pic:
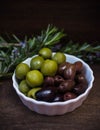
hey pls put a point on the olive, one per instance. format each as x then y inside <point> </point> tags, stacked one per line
<point>80,88</point>
<point>23,87</point>
<point>49,67</point>
<point>69,95</point>
<point>45,52</point>
<point>58,98</point>
<point>48,81</point>
<point>80,78</point>
<point>59,57</point>
<point>65,86</point>
<point>62,67</point>
<point>79,66</point>
<point>58,79</point>
<point>45,94</point>
<point>69,73</point>
<point>32,92</point>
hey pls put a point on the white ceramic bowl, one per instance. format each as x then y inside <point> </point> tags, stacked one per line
<point>57,108</point>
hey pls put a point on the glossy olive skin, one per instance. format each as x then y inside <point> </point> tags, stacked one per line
<point>69,73</point>
<point>80,88</point>
<point>62,67</point>
<point>69,95</point>
<point>48,81</point>
<point>80,78</point>
<point>79,66</point>
<point>46,94</point>
<point>66,85</point>
<point>58,79</point>
<point>58,98</point>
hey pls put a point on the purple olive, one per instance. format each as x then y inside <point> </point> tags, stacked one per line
<point>80,88</point>
<point>62,67</point>
<point>46,94</point>
<point>66,85</point>
<point>69,73</point>
<point>79,66</point>
<point>69,95</point>
<point>58,98</point>
<point>48,81</point>
<point>80,78</point>
<point>58,79</point>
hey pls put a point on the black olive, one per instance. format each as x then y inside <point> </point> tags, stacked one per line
<point>58,79</point>
<point>80,88</point>
<point>62,67</point>
<point>65,86</point>
<point>80,78</point>
<point>69,95</point>
<point>58,98</point>
<point>46,94</point>
<point>79,66</point>
<point>48,81</point>
<point>69,73</point>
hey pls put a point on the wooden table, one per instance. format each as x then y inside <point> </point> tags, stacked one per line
<point>15,116</point>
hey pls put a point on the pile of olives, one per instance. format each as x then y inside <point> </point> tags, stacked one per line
<point>53,79</point>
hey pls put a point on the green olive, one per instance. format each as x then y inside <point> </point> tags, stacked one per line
<point>49,67</point>
<point>46,53</point>
<point>32,92</point>
<point>59,57</point>
<point>36,62</point>
<point>23,87</point>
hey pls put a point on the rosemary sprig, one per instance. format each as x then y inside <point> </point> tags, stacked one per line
<point>12,53</point>
<point>76,48</point>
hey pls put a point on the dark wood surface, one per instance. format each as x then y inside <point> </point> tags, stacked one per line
<point>81,21</point>
<point>15,116</point>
